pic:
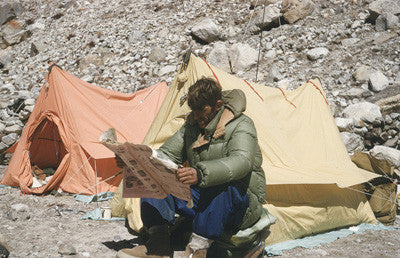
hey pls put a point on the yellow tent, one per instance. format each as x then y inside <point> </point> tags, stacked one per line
<point>312,185</point>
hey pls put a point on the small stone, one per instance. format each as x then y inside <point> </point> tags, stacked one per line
<point>378,81</point>
<point>388,120</point>
<point>395,116</point>
<point>350,42</point>
<point>352,141</point>
<point>317,53</point>
<point>66,249</point>
<point>344,124</point>
<point>391,142</point>
<point>362,73</point>
<point>157,54</point>
<point>89,60</point>
<point>167,70</point>
<point>20,207</point>
<point>87,78</point>
<point>29,102</point>
<point>9,139</point>
<point>13,129</point>
<point>19,211</point>
<point>3,146</point>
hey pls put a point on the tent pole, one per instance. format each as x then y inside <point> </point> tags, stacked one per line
<point>259,45</point>
<point>55,146</point>
<point>97,185</point>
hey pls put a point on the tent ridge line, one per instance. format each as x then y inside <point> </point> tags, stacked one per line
<point>284,95</point>
<point>253,89</point>
<point>319,91</point>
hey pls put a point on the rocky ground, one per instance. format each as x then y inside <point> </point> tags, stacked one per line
<point>124,45</point>
<point>50,226</point>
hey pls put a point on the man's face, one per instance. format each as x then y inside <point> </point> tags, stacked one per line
<point>204,116</point>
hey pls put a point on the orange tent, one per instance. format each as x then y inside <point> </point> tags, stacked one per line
<point>64,128</point>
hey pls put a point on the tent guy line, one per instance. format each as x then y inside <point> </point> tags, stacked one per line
<point>377,196</point>
<point>99,183</point>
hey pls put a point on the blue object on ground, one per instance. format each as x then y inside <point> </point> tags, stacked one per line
<point>324,238</point>
<point>96,215</point>
<point>94,198</point>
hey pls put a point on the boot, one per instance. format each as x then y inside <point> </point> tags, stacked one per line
<point>158,245</point>
<point>257,251</point>
<point>197,247</point>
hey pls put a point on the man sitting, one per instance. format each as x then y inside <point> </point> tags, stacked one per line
<point>227,182</point>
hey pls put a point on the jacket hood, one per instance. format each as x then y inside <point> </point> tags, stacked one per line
<point>235,100</point>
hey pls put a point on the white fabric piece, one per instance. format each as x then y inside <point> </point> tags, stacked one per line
<point>198,242</point>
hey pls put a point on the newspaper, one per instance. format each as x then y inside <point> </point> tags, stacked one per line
<point>147,174</point>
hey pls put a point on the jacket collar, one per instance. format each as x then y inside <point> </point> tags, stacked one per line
<point>215,129</point>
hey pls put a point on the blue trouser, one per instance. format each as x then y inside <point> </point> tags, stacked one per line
<point>215,209</point>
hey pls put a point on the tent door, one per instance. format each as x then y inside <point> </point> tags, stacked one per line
<point>46,149</point>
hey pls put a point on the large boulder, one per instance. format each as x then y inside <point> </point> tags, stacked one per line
<point>294,10</point>
<point>219,56</point>
<point>9,10</point>
<point>390,154</point>
<point>271,18</point>
<point>363,111</point>
<point>386,21</point>
<point>14,32</point>
<point>388,100</point>
<point>379,7</point>
<point>206,30</point>
<point>166,70</point>
<point>242,57</point>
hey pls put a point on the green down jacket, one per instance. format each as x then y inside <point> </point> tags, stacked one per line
<point>227,151</point>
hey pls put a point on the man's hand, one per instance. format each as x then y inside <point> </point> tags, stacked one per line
<point>187,175</point>
<point>119,161</point>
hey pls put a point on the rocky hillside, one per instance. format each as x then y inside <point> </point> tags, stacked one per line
<point>353,46</point>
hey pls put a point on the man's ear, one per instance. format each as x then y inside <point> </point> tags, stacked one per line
<point>218,105</point>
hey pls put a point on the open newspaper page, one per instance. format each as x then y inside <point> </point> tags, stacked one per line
<point>146,174</point>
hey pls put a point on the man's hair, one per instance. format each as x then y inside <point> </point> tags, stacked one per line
<point>204,92</point>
